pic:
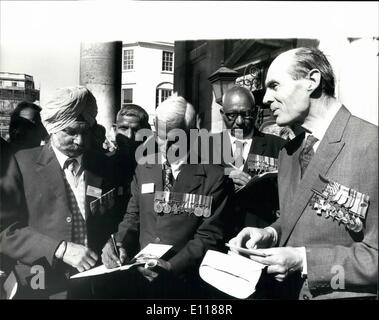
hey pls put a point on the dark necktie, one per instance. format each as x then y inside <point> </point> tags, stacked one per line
<point>167,177</point>
<point>307,153</point>
<point>238,154</point>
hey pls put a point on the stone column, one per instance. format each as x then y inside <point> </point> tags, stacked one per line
<point>100,72</point>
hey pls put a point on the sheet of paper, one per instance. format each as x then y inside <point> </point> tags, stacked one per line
<point>10,286</point>
<point>231,273</point>
<point>151,251</point>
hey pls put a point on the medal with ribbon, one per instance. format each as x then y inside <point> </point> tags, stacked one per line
<point>167,202</point>
<point>342,204</point>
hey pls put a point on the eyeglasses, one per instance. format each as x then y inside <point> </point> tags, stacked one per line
<point>232,116</point>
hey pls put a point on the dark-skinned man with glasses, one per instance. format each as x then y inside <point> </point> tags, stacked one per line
<point>244,153</point>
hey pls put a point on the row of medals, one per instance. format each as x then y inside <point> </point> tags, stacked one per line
<point>105,202</point>
<point>258,164</point>
<point>342,204</point>
<point>177,203</point>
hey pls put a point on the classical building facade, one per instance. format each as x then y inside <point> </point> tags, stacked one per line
<point>147,74</point>
<point>195,61</point>
<point>14,88</point>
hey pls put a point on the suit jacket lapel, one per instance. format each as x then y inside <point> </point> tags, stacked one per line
<point>226,147</point>
<point>289,174</point>
<point>154,171</point>
<point>51,171</point>
<point>328,150</point>
<point>194,175</point>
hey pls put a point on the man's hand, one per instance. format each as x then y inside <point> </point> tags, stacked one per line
<point>109,256</point>
<point>79,257</point>
<point>252,238</point>
<point>281,261</point>
<point>153,268</point>
<point>239,178</point>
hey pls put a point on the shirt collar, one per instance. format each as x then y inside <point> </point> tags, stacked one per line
<point>321,125</point>
<point>62,157</point>
<point>175,166</point>
<point>245,139</point>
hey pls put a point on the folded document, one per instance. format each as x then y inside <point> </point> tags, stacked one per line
<point>231,273</point>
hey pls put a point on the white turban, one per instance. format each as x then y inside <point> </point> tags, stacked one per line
<point>66,105</point>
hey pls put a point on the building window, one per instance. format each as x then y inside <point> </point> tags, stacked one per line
<point>167,61</point>
<point>129,59</point>
<point>14,84</point>
<point>162,95</point>
<point>128,95</point>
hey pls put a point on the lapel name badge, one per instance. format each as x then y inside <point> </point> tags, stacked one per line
<point>147,188</point>
<point>93,192</point>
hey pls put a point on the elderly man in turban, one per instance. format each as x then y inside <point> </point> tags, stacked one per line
<point>70,202</point>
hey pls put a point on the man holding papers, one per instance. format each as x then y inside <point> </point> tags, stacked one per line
<point>69,202</point>
<point>325,243</point>
<point>249,151</point>
<point>176,203</point>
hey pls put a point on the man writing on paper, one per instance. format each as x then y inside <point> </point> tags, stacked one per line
<point>325,243</point>
<point>256,206</point>
<point>176,203</point>
<point>60,233</point>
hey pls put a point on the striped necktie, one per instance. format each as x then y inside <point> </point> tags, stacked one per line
<point>307,153</point>
<point>238,153</point>
<point>167,177</point>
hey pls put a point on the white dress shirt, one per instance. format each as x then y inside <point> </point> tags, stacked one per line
<point>79,188</point>
<point>247,141</point>
<point>175,166</point>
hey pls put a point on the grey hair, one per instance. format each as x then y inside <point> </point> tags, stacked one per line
<point>176,112</point>
<point>306,59</point>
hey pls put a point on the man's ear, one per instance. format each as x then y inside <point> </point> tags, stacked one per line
<point>314,77</point>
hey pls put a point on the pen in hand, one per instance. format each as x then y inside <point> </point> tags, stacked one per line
<point>116,249</point>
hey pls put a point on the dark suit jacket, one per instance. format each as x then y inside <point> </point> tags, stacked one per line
<point>190,235</point>
<point>258,206</point>
<point>35,233</point>
<point>12,198</point>
<point>348,154</point>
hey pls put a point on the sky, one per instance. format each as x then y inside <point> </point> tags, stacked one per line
<point>42,38</point>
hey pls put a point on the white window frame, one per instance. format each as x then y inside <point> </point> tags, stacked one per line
<point>166,63</point>
<point>128,65</point>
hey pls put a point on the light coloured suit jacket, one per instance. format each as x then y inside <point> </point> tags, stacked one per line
<point>341,263</point>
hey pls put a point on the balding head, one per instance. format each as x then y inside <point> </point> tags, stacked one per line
<point>300,61</point>
<point>238,96</point>
<point>239,110</point>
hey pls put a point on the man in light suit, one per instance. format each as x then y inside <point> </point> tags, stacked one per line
<point>64,226</point>
<point>190,232</point>
<point>325,243</point>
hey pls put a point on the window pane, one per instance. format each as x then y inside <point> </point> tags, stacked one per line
<point>128,60</point>
<point>165,94</point>
<point>167,61</point>
<point>128,95</point>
